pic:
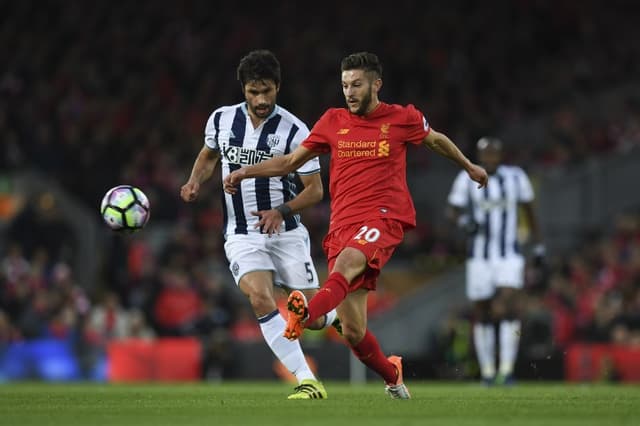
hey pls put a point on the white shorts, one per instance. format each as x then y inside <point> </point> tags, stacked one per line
<point>484,276</point>
<point>287,254</point>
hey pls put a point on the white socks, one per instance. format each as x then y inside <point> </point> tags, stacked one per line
<point>330,318</point>
<point>484,339</point>
<point>509,340</point>
<point>288,352</point>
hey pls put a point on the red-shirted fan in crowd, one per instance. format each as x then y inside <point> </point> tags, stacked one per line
<point>370,203</point>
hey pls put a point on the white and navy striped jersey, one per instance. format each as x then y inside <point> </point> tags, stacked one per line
<point>495,209</point>
<point>229,130</point>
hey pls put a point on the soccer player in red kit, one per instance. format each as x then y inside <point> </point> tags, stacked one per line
<point>370,203</point>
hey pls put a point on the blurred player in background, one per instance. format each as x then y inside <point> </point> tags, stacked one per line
<point>266,243</point>
<point>495,267</point>
<point>370,203</point>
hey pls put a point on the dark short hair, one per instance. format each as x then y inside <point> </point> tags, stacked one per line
<point>259,65</point>
<point>366,61</point>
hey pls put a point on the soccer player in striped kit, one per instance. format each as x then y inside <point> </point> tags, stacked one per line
<point>495,266</point>
<point>266,243</point>
<point>371,206</point>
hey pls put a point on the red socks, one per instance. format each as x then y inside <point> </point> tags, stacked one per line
<point>368,351</point>
<point>333,292</point>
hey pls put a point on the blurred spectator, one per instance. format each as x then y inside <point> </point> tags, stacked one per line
<point>8,333</point>
<point>245,328</point>
<point>454,353</point>
<point>108,320</point>
<point>177,308</point>
<point>593,294</point>
<point>40,226</point>
<point>627,329</point>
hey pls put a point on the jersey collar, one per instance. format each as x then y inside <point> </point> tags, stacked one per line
<point>245,109</point>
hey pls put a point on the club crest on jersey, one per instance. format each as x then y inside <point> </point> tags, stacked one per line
<point>235,268</point>
<point>272,140</point>
<point>383,149</point>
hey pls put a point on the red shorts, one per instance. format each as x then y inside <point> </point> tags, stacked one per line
<point>377,238</point>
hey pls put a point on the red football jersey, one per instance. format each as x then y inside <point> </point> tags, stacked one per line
<point>368,161</point>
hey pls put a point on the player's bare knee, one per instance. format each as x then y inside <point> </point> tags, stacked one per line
<point>507,294</point>
<point>353,334</point>
<point>261,302</point>
<point>482,311</point>
<point>498,309</point>
<point>506,305</point>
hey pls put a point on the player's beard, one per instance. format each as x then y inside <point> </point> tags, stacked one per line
<point>365,102</point>
<point>264,111</point>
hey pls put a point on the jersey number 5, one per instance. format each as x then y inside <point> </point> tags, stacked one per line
<point>369,234</point>
<point>307,266</point>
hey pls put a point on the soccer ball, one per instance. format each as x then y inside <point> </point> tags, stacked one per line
<point>125,208</point>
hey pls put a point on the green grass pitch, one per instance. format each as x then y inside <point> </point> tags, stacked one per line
<point>265,403</point>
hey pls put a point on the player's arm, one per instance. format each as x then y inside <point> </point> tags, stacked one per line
<point>202,170</point>
<point>539,250</point>
<point>457,211</point>
<point>527,205</point>
<point>310,195</point>
<point>453,213</point>
<point>462,220</point>
<point>532,220</point>
<point>277,166</point>
<point>270,220</point>
<point>440,143</point>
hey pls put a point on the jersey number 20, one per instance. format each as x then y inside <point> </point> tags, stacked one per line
<point>369,234</point>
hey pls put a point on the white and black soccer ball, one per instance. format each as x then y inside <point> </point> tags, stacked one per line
<point>125,208</point>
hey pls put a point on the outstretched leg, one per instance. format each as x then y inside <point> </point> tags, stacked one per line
<point>349,264</point>
<point>353,315</point>
<point>258,287</point>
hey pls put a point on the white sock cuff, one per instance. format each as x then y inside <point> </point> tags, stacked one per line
<point>330,317</point>
<point>267,317</point>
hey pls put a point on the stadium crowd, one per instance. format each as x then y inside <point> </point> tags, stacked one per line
<point>93,95</point>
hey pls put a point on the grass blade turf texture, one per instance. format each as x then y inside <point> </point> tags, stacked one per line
<point>265,403</point>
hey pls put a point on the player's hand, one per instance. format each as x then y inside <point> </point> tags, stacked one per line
<point>232,180</point>
<point>468,225</point>
<point>539,253</point>
<point>270,221</point>
<point>189,191</point>
<point>478,174</point>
